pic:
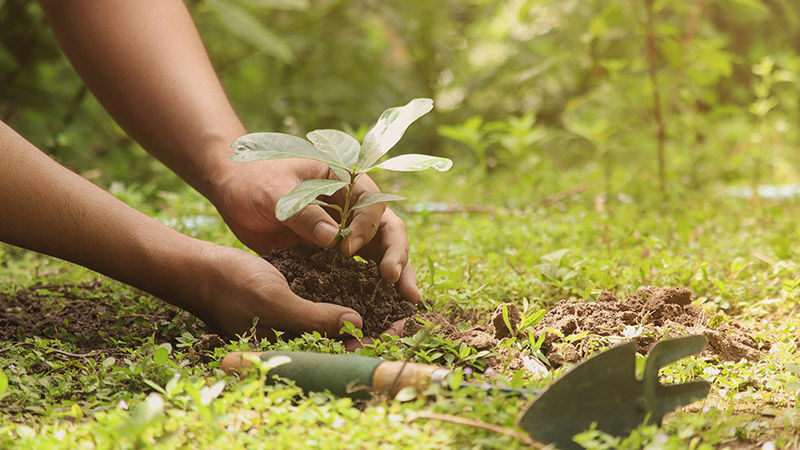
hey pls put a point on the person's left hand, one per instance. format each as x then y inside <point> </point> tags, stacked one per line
<point>245,194</point>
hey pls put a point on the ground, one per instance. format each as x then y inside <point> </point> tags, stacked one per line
<point>94,363</point>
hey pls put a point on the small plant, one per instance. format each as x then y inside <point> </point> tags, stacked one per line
<point>347,159</point>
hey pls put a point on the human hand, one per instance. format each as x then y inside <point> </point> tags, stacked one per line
<point>246,195</point>
<point>232,287</point>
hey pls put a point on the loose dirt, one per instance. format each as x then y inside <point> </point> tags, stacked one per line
<point>575,329</point>
<point>651,315</point>
<point>87,315</point>
<point>324,275</point>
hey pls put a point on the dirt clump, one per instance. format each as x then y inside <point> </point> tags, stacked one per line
<point>325,275</point>
<point>654,313</point>
<point>477,336</point>
<point>501,329</point>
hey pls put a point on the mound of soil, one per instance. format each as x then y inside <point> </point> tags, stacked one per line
<point>324,275</point>
<point>653,314</point>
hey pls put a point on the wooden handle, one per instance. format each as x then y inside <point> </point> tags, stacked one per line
<point>238,362</point>
<point>391,376</point>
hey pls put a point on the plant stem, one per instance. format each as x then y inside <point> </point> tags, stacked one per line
<point>346,210</point>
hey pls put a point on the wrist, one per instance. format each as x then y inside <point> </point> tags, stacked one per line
<point>213,163</point>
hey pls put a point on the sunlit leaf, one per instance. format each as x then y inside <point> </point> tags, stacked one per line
<point>413,162</point>
<point>160,356</point>
<point>291,203</point>
<point>376,198</point>
<point>3,383</point>
<point>243,25</point>
<point>406,394</point>
<point>257,146</point>
<point>389,129</point>
<point>336,145</point>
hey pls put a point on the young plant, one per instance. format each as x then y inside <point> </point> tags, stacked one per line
<point>347,159</point>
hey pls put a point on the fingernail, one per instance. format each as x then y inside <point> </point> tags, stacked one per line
<point>353,318</point>
<point>354,245</point>
<point>398,269</point>
<point>325,234</point>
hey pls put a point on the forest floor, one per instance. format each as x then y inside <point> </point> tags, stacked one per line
<point>89,362</point>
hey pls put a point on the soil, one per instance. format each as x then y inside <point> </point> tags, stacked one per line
<point>89,315</point>
<point>653,314</point>
<point>324,275</point>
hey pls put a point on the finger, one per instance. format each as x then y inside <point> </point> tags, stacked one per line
<point>352,345</point>
<point>397,328</point>
<point>407,285</point>
<point>394,243</point>
<point>314,225</point>
<point>299,315</point>
<point>364,226</point>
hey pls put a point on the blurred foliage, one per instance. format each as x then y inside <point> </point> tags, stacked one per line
<point>542,85</point>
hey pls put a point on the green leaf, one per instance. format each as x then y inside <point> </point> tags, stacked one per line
<point>371,199</point>
<point>337,146</point>
<point>413,162</point>
<point>291,203</point>
<point>258,146</point>
<point>406,394</point>
<point>243,25</point>
<point>160,356</point>
<point>3,383</point>
<point>389,129</point>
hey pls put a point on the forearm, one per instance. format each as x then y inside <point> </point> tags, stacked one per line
<point>49,209</point>
<point>146,64</point>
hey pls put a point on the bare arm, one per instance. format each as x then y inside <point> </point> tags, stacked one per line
<point>49,209</point>
<point>145,62</point>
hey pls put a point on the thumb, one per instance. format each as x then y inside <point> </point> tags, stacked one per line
<point>314,225</point>
<point>302,315</point>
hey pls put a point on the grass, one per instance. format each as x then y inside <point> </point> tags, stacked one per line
<point>159,387</point>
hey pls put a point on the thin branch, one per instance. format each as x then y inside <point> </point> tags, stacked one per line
<point>429,415</point>
<point>661,133</point>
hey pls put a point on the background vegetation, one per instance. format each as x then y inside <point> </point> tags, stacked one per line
<point>554,85</point>
<point>597,145</point>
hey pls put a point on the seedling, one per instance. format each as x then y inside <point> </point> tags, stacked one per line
<point>347,159</point>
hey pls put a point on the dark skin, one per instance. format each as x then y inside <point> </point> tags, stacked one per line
<point>146,64</point>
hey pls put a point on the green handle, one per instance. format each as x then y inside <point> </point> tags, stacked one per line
<point>342,375</point>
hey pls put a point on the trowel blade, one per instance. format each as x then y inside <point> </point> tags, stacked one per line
<point>601,390</point>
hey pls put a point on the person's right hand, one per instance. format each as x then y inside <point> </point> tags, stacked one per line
<point>245,194</point>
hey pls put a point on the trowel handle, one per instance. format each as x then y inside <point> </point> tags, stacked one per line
<point>342,375</point>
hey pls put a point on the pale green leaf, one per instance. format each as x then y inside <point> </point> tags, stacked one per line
<point>160,356</point>
<point>389,129</point>
<point>303,194</point>
<point>243,25</point>
<point>413,162</point>
<point>336,145</point>
<point>257,146</point>
<point>3,383</point>
<point>376,198</point>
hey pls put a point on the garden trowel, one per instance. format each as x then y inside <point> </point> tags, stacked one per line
<point>602,390</point>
